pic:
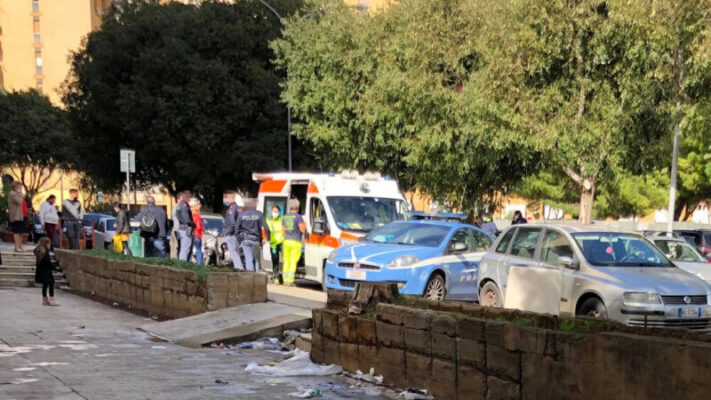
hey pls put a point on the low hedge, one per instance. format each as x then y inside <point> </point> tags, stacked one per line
<point>200,270</point>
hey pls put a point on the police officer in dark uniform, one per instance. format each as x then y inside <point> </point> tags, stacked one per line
<point>250,223</point>
<point>185,227</point>
<point>233,202</point>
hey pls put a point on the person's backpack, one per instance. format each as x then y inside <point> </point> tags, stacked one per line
<point>149,225</point>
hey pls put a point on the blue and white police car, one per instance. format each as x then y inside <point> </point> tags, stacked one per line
<point>429,258</point>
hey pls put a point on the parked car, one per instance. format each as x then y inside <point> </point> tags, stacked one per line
<point>701,239</point>
<point>37,230</point>
<point>429,258</point>
<point>588,271</point>
<point>106,229</point>
<point>684,256</point>
<point>90,218</point>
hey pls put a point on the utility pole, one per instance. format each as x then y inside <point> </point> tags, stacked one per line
<point>675,150</point>
<point>128,165</point>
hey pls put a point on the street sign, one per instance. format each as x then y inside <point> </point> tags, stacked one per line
<point>128,161</point>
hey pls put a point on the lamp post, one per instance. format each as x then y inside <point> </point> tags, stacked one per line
<point>288,109</point>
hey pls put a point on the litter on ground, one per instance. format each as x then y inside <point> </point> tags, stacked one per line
<point>298,365</point>
<point>307,394</point>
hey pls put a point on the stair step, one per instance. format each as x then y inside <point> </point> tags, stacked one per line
<point>29,283</point>
<point>12,268</point>
<point>23,275</point>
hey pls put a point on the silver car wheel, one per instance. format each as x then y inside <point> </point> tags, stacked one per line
<point>435,289</point>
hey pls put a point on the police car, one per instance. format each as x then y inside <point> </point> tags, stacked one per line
<point>431,258</point>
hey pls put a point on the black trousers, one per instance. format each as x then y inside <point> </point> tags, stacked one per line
<point>45,286</point>
<point>276,263</point>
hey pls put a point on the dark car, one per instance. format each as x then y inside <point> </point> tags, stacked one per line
<point>700,238</point>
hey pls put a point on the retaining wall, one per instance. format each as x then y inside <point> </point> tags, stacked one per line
<point>164,291</point>
<point>456,356</point>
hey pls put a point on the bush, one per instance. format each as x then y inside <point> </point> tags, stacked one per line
<point>199,270</point>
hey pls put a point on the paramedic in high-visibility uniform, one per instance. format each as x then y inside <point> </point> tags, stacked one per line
<point>294,228</point>
<point>274,222</point>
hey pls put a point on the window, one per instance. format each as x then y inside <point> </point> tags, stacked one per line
<point>318,214</point>
<point>461,236</point>
<point>619,249</point>
<point>679,251</point>
<point>481,241</point>
<point>37,38</point>
<point>525,243</point>
<point>504,243</point>
<point>554,246</point>
<point>408,233</point>
<point>36,25</point>
<point>35,6</point>
<point>270,202</point>
<point>38,70</point>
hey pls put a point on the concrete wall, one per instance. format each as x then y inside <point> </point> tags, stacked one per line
<point>163,291</point>
<point>456,356</point>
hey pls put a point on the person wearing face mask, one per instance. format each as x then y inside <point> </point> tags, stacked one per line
<point>17,209</point>
<point>71,218</point>
<point>233,202</point>
<point>276,240</point>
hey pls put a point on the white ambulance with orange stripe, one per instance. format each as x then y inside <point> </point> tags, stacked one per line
<point>337,209</point>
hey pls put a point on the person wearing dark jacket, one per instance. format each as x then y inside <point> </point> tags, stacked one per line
<point>123,227</point>
<point>72,215</point>
<point>43,271</point>
<point>249,226</point>
<point>155,243</point>
<point>518,218</point>
<point>185,226</point>
<point>233,202</point>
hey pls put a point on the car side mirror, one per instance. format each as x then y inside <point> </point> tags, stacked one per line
<point>320,226</point>
<point>568,262</point>
<point>457,247</point>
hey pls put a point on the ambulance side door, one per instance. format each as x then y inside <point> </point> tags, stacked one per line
<point>315,242</point>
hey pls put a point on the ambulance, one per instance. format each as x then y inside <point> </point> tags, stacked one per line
<point>337,208</point>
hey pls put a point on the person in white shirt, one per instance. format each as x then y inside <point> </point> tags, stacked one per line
<point>49,218</point>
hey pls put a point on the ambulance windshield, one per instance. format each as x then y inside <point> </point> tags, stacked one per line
<point>364,214</point>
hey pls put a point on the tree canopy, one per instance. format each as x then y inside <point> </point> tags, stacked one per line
<point>467,98</point>
<point>35,137</point>
<point>191,88</point>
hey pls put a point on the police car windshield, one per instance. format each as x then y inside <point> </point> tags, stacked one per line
<point>363,214</point>
<point>409,234</point>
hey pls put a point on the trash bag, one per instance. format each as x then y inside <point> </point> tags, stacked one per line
<point>135,243</point>
<point>117,246</point>
<point>298,365</point>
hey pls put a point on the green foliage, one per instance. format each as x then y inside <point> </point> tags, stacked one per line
<point>190,88</point>
<point>632,195</point>
<point>36,138</point>
<point>581,326</point>
<point>200,270</point>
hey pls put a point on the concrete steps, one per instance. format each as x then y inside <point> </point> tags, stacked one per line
<point>18,270</point>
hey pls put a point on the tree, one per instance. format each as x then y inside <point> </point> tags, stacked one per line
<point>377,92</point>
<point>36,139</point>
<point>190,88</point>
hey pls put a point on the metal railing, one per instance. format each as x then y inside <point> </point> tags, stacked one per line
<point>83,236</point>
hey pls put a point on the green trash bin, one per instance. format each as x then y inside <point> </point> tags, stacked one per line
<point>135,243</point>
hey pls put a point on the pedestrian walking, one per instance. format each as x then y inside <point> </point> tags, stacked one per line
<point>518,218</point>
<point>249,227</point>
<point>195,207</point>
<point>154,228</point>
<point>123,227</point>
<point>294,228</point>
<point>174,239</point>
<point>49,218</point>
<point>276,242</point>
<point>72,215</point>
<point>233,202</point>
<point>186,227</point>
<point>489,226</point>
<point>17,210</point>
<point>43,271</point>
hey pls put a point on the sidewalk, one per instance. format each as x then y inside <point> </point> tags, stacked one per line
<point>88,350</point>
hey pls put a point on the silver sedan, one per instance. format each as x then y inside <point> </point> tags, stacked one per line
<point>574,270</point>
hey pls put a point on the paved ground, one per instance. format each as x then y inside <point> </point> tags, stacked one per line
<point>88,350</point>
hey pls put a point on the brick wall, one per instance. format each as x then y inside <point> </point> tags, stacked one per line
<point>164,291</point>
<point>456,356</point>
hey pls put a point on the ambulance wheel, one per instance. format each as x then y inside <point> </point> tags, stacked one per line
<point>435,289</point>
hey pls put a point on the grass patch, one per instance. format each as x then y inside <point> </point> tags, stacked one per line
<point>200,270</point>
<point>580,325</point>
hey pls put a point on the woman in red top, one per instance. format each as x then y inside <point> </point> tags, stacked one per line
<point>197,232</point>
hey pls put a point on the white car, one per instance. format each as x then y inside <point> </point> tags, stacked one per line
<point>105,230</point>
<point>684,256</point>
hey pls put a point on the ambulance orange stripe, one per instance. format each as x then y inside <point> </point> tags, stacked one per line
<point>348,236</point>
<point>272,186</point>
<point>312,188</point>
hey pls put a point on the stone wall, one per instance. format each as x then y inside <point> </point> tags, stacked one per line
<point>457,356</point>
<point>163,291</point>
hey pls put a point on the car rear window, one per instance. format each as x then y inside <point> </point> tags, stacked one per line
<point>504,243</point>
<point>525,243</point>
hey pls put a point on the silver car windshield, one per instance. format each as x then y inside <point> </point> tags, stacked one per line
<point>364,214</point>
<point>619,250</point>
<point>412,234</point>
<point>677,250</point>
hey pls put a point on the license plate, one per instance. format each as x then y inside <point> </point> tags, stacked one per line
<point>355,274</point>
<point>689,312</point>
